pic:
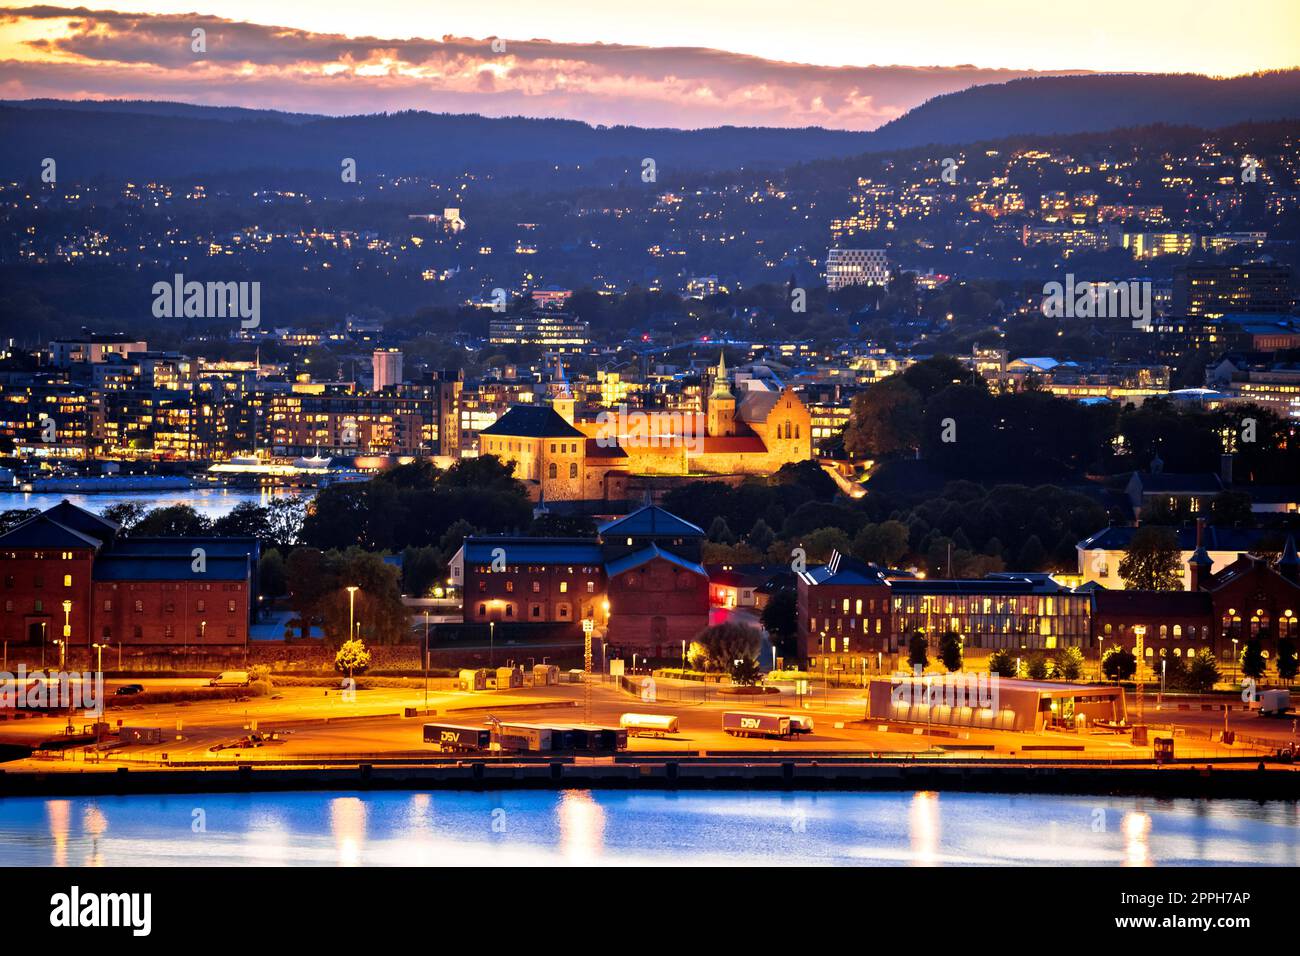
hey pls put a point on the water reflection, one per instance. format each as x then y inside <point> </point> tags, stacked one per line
<point>348,823</point>
<point>644,828</point>
<point>924,816</point>
<point>582,826</point>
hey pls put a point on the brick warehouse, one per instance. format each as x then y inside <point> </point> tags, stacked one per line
<point>70,575</point>
<point>640,578</point>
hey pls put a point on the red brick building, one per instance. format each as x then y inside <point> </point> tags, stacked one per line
<point>640,580</point>
<point>68,574</point>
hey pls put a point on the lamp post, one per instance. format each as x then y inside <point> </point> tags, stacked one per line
<point>588,626</point>
<point>44,625</point>
<point>1234,660</point>
<point>426,660</point>
<point>99,657</point>
<point>1140,632</point>
<point>62,645</point>
<point>352,596</point>
<point>492,642</point>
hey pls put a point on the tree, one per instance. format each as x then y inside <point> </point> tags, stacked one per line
<point>1037,669</point>
<point>725,643</point>
<point>15,516</point>
<point>422,570</point>
<point>781,619</point>
<point>1118,664</point>
<point>719,533</point>
<point>761,536</point>
<point>310,578</point>
<point>884,544</point>
<point>272,581</point>
<point>918,651</point>
<point>1288,663</point>
<point>745,672</point>
<point>455,536</point>
<point>377,605</point>
<point>1203,671</point>
<point>950,651</point>
<point>352,658</point>
<point>819,545</point>
<point>1253,662</point>
<point>1032,555</point>
<point>1152,561</point>
<point>885,420</point>
<point>1069,663</point>
<point>1175,673</point>
<point>245,520</point>
<point>125,513</point>
<point>1002,663</point>
<point>174,521</point>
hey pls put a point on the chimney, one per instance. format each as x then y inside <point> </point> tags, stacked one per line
<point>1200,565</point>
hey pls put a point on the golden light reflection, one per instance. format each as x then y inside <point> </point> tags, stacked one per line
<point>924,817</point>
<point>348,824</point>
<point>59,813</point>
<point>94,823</point>
<point>1137,839</point>
<point>582,826</point>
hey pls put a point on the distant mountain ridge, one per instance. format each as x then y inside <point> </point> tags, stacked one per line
<point>138,139</point>
<point>1094,103</point>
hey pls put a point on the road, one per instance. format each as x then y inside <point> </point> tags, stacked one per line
<point>329,724</point>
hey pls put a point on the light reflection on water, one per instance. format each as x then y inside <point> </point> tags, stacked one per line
<point>580,827</point>
<point>210,502</point>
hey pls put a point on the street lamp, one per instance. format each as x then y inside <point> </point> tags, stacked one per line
<point>99,657</point>
<point>62,651</point>
<point>1234,660</point>
<point>43,639</point>
<point>352,596</point>
<point>1140,632</point>
<point>426,660</point>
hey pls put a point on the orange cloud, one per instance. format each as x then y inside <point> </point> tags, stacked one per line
<point>53,52</point>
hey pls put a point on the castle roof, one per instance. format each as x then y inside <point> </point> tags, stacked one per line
<point>532,421</point>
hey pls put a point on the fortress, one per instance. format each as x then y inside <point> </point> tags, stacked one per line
<point>560,457</point>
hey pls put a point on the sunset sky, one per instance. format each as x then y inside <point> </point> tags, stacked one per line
<point>849,64</point>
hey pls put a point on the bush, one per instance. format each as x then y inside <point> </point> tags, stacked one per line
<point>1002,663</point>
<point>950,651</point>
<point>917,649</point>
<point>1203,671</point>
<point>1118,664</point>
<point>260,688</point>
<point>1037,669</point>
<point>1069,663</point>
<point>728,642</point>
<point>1176,677</point>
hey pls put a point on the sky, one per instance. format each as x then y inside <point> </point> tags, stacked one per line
<point>844,64</point>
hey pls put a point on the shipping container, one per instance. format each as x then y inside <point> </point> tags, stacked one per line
<point>474,679</point>
<point>742,724</point>
<point>140,735</point>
